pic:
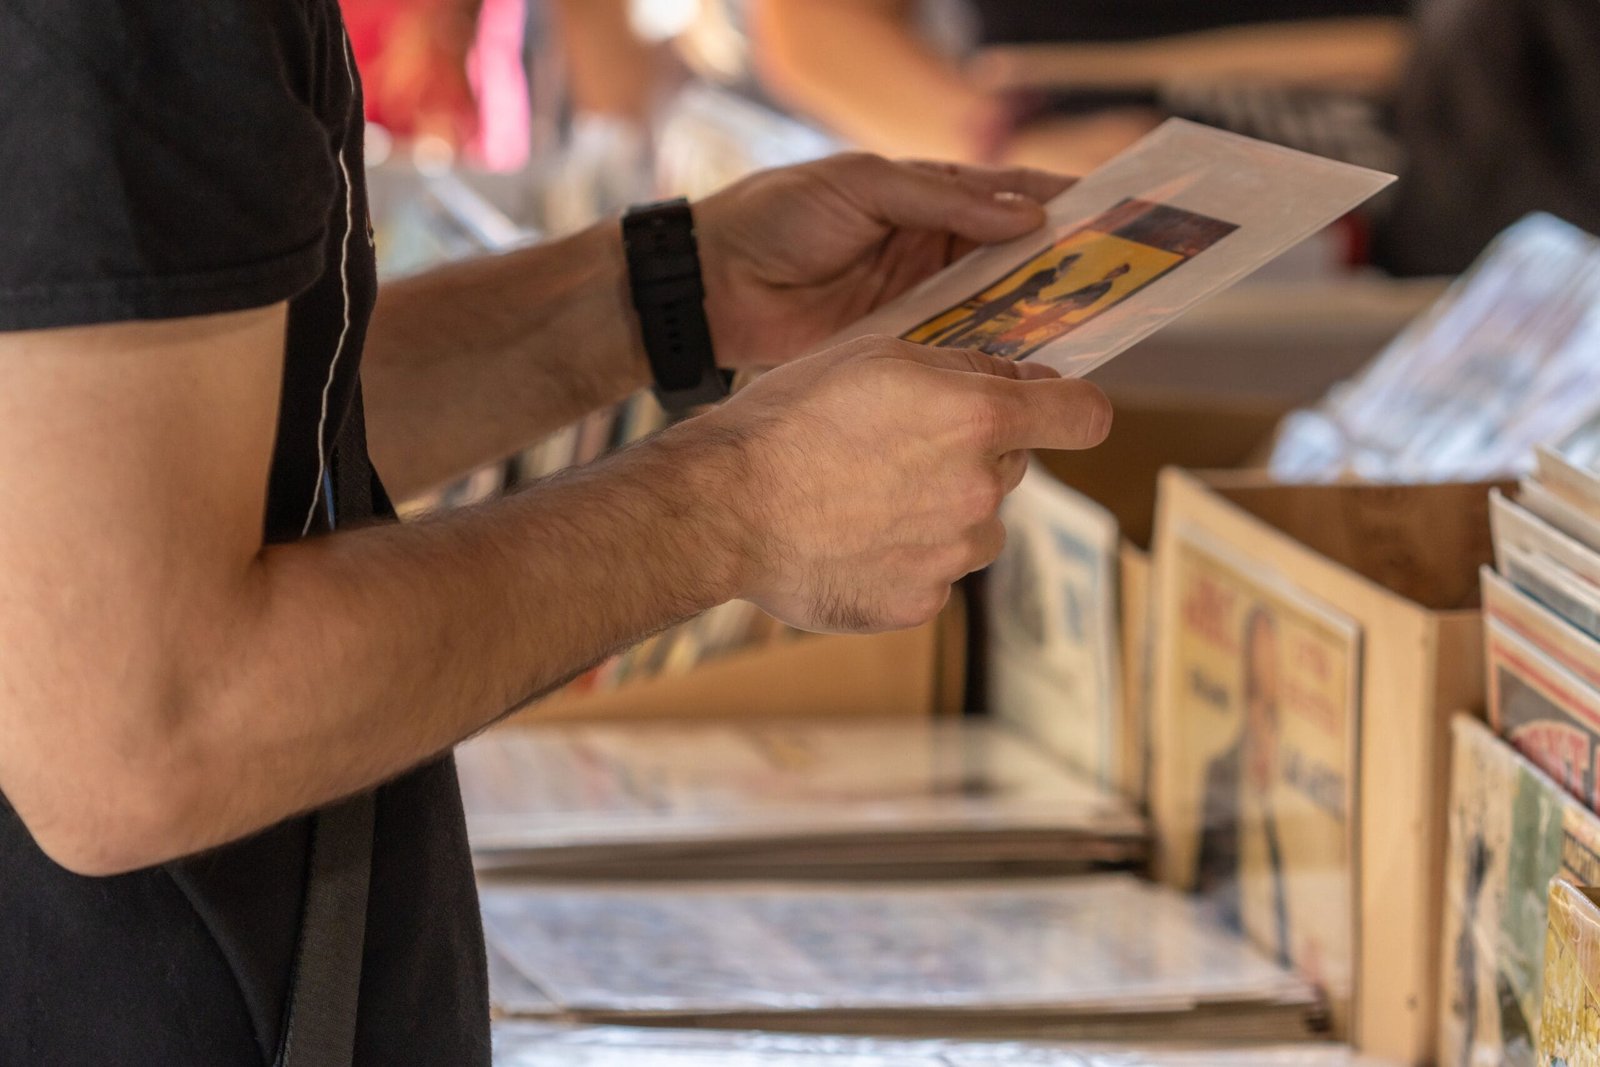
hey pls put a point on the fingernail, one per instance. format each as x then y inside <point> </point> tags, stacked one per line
<point>1030,371</point>
<point>1010,199</point>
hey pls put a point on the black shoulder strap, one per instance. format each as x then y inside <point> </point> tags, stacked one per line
<point>320,1025</point>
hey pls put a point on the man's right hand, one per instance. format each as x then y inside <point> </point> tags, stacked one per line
<point>875,471</point>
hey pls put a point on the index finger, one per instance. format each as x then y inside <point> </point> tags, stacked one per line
<point>1037,185</point>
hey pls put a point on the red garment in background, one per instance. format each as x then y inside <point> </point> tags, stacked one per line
<point>431,68</point>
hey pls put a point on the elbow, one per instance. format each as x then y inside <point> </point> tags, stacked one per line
<point>98,842</point>
<point>100,814</point>
<point>104,852</point>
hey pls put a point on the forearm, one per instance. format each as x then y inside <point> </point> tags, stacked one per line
<point>340,662</point>
<point>610,70</point>
<point>469,363</point>
<point>861,70</point>
<point>1356,53</point>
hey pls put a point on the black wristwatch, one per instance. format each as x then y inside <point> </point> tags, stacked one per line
<point>669,298</point>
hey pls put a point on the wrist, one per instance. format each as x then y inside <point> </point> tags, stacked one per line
<point>667,289</point>
<point>603,248</point>
<point>707,476</point>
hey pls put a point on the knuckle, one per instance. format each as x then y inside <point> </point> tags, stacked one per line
<point>861,162</point>
<point>984,420</point>
<point>987,496</point>
<point>1001,367</point>
<point>921,607</point>
<point>952,560</point>
<point>879,374</point>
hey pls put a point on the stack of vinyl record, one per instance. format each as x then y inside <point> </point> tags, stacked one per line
<point>1098,957</point>
<point>531,1044</point>
<point>844,798</point>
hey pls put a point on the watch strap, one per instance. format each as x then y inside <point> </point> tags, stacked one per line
<point>668,295</point>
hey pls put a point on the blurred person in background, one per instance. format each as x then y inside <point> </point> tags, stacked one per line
<point>1499,115</point>
<point>454,72</point>
<point>1065,85</point>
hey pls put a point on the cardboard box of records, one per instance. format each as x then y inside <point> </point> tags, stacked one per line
<point>1066,603</point>
<point>1315,627</point>
<point>736,662</point>
<point>1066,649</point>
<point>1310,643</point>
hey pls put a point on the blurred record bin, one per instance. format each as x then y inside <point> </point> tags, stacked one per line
<point>1309,646</point>
<point>916,672</point>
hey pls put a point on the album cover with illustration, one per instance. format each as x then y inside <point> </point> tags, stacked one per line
<point>1178,217</point>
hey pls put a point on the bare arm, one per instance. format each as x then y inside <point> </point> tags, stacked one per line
<point>1354,53</point>
<point>469,363</point>
<point>611,71</point>
<point>170,684</point>
<point>857,66</point>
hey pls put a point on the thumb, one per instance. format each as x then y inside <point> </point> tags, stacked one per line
<point>1051,413</point>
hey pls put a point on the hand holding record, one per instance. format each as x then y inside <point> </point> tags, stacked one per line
<point>873,474</point>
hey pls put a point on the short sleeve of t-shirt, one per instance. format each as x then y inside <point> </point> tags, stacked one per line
<point>133,188</point>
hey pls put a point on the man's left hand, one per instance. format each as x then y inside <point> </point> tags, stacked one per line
<point>791,256</point>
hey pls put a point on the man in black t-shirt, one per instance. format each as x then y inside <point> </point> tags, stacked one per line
<point>194,659</point>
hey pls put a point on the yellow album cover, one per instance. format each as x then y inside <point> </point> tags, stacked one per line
<point>1255,758</point>
<point>1569,1026</point>
<point>1090,270</point>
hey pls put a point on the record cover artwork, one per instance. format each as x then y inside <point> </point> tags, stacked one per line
<point>1053,625</point>
<point>1256,759</point>
<point>1569,1026</point>
<point>1081,275</point>
<point>1183,214</point>
<point>1551,715</point>
<point>1511,829</point>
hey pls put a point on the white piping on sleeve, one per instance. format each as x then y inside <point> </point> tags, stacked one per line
<point>344,284</point>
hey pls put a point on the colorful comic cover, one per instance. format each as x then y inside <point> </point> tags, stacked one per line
<point>1084,273</point>
<point>1256,758</point>
<point>1536,700</point>
<point>1053,637</point>
<point>1511,829</point>
<point>1569,1017</point>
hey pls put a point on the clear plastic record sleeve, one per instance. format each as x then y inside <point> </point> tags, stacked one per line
<point>1502,362</point>
<point>1108,943</point>
<point>1181,215</point>
<point>536,791</point>
<point>519,1044</point>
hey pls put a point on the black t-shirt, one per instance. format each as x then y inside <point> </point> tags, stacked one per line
<point>160,160</point>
